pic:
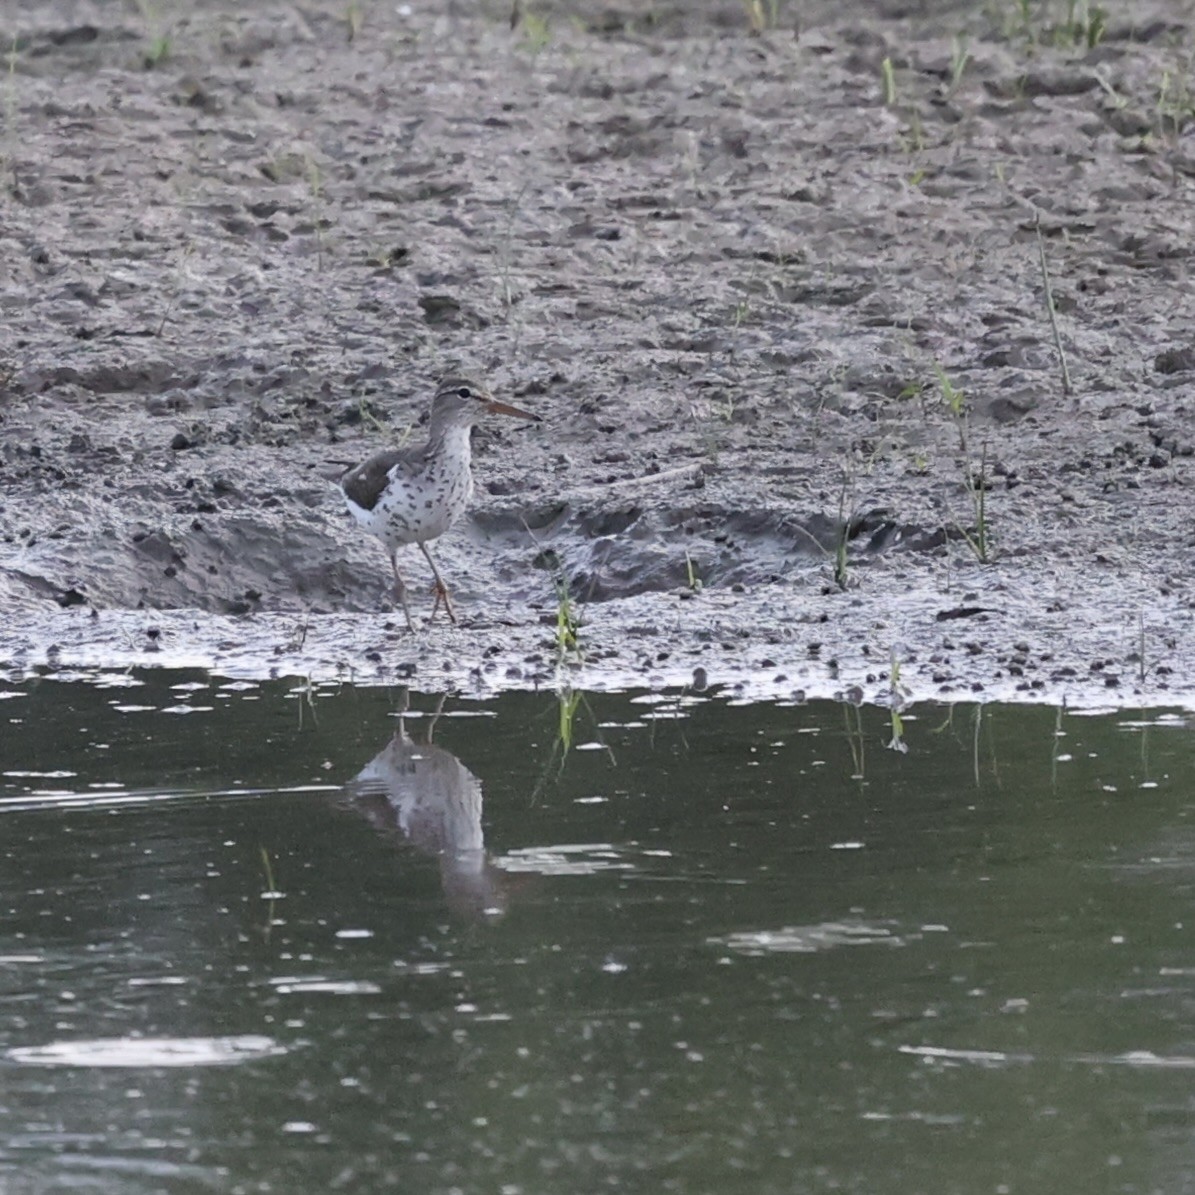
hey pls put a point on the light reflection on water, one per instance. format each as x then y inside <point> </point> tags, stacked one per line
<point>146,1052</point>
<point>313,939</point>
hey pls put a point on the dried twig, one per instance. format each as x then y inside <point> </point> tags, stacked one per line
<point>1045,277</point>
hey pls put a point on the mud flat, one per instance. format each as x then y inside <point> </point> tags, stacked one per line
<point>774,290</point>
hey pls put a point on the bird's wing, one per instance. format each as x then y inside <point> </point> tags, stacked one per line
<point>363,484</point>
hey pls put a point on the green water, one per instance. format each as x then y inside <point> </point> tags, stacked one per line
<point>252,941</point>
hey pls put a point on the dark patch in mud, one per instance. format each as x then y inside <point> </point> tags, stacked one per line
<point>604,555</point>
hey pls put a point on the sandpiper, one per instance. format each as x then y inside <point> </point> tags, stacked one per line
<point>413,495</point>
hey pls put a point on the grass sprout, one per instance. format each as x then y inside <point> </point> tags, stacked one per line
<point>505,252</point>
<point>954,398</point>
<point>316,186</point>
<point>960,55</point>
<point>158,44</point>
<point>977,488</point>
<point>1175,106</point>
<point>955,401</point>
<point>568,626</point>
<point>975,484</point>
<point>888,83</point>
<point>157,51</point>
<point>537,31</point>
<point>1082,24</point>
<point>853,717</point>
<point>179,275</point>
<point>1085,24</point>
<point>568,701</point>
<point>897,696</point>
<point>762,15</point>
<point>306,693</point>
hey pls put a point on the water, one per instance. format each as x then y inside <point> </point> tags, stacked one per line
<point>253,941</point>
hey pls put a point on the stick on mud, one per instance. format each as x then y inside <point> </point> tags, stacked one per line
<point>1045,278</point>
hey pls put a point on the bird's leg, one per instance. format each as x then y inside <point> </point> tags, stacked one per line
<point>400,591</point>
<point>441,588</point>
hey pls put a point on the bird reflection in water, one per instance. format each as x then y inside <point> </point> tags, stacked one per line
<point>427,795</point>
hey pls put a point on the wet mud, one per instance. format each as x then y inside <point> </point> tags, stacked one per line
<point>771,274</point>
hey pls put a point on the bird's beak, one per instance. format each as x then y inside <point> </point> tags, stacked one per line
<point>494,407</point>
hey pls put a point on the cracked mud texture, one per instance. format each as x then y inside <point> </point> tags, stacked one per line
<point>243,241</point>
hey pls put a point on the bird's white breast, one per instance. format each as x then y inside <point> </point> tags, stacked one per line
<point>416,508</point>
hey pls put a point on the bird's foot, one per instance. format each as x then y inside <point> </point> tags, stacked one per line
<point>441,592</point>
<point>400,596</point>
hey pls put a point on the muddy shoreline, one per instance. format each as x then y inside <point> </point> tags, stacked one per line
<point>728,267</point>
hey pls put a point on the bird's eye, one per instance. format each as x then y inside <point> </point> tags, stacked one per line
<point>464,392</point>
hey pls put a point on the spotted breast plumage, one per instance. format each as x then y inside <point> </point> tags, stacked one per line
<point>413,495</point>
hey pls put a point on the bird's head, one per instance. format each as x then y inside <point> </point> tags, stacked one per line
<point>462,402</point>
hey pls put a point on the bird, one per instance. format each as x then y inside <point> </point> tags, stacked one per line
<point>413,495</point>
